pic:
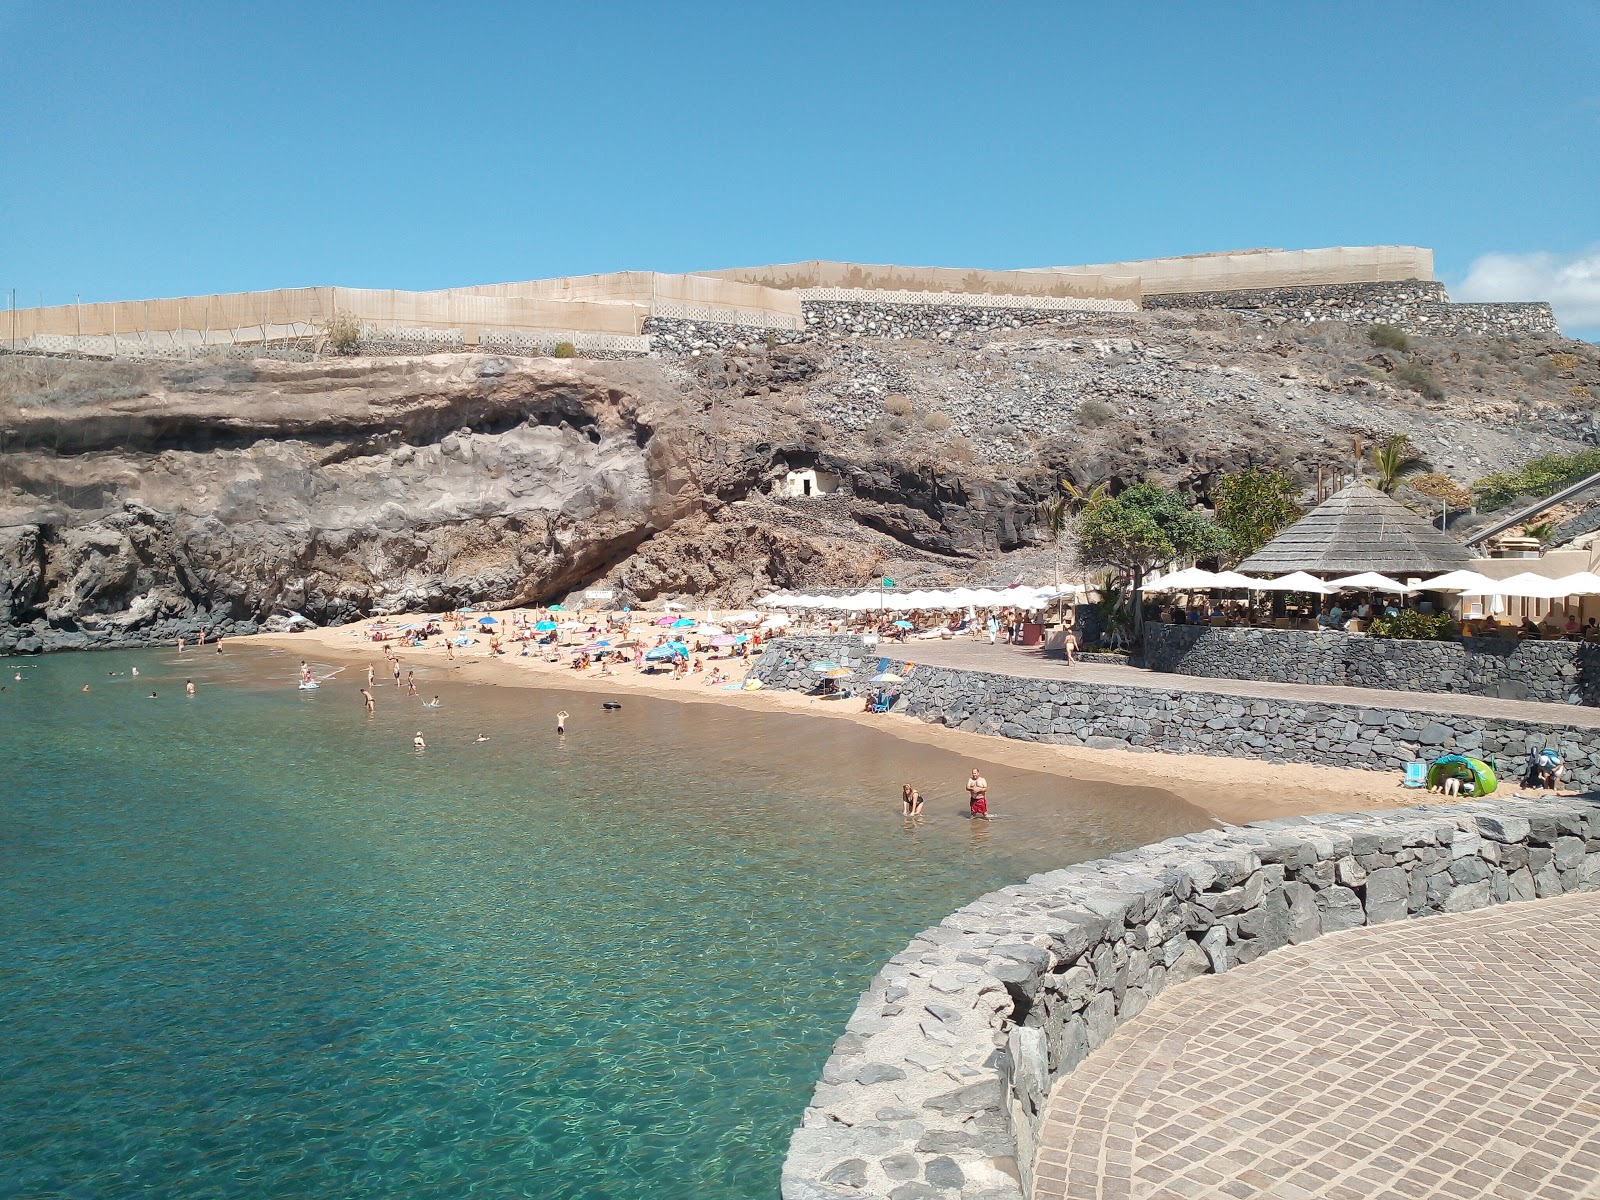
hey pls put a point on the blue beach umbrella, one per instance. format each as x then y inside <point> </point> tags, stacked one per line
<point>545,626</point>
<point>487,621</point>
<point>558,608</point>
<point>683,623</point>
<point>903,625</point>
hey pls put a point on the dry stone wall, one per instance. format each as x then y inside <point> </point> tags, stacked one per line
<point>1418,306</point>
<point>1557,672</point>
<point>938,1086</point>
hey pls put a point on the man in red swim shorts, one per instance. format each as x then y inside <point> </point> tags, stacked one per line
<point>978,792</point>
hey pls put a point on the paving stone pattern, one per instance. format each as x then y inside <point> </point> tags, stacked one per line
<point>1074,709</point>
<point>1557,672</point>
<point>1456,1058</point>
<point>938,1086</point>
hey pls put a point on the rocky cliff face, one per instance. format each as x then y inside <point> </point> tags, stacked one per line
<point>141,502</point>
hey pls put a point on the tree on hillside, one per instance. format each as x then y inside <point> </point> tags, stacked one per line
<point>1143,527</point>
<point>1060,516</point>
<point>1253,506</point>
<point>1393,461</point>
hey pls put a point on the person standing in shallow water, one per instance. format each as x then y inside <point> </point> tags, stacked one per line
<point>366,698</point>
<point>978,792</point>
<point>561,721</point>
<point>188,686</point>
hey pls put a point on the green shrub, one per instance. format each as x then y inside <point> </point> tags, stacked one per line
<point>564,350</point>
<point>1536,477</point>
<point>1413,624</point>
<point>344,333</point>
<point>1387,337</point>
<point>1419,378</point>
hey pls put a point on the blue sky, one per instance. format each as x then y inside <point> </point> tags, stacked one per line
<point>164,149</point>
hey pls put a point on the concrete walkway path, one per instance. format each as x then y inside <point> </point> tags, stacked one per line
<point>1032,664</point>
<point>1454,1056</point>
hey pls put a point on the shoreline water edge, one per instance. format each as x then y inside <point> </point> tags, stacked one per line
<point>1230,790</point>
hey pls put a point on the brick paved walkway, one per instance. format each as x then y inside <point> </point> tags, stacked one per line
<point>1454,1056</point>
<point>1031,664</point>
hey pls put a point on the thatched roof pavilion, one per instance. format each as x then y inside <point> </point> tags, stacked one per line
<point>1359,529</point>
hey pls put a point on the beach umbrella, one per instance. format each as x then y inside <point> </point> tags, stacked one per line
<point>1528,586</point>
<point>683,623</point>
<point>545,626</point>
<point>673,604</point>
<point>1369,581</point>
<point>1582,583</point>
<point>602,644</point>
<point>487,621</point>
<point>903,625</point>
<point>740,638</point>
<point>463,640</point>
<point>888,677</point>
<point>775,621</point>
<point>1232,579</point>
<point>1190,579</point>
<point>1470,582</point>
<point>663,621</point>
<point>837,672</point>
<point>724,639</point>
<point>1295,581</point>
<point>823,665</point>
<point>558,608</point>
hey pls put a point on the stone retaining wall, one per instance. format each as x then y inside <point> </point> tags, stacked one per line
<point>1557,672</point>
<point>938,1086</point>
<point>1417,306</point>
<point>1103,716</point>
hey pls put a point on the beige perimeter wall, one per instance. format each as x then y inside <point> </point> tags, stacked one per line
<point>1243,270</point>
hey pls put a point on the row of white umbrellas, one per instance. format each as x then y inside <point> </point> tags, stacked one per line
<point>924,599</point>
<point>1526,585</point>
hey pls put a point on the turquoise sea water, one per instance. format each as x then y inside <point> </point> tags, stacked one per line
<point>255,946</point>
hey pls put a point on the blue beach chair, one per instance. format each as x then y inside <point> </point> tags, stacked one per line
<point>1416,774</point>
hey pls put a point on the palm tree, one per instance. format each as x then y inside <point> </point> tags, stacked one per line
<point>1393,461</point>
<point>1058,512</point>
<point>1542,532</point>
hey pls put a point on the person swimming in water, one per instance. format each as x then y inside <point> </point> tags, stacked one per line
<point>418,742</point>
<point>152,695</point>
<point>188,686</point>
<point>483,737</point>
<point>135,671</point>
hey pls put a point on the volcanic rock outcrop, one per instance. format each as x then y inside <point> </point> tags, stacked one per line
<point>144,501</point>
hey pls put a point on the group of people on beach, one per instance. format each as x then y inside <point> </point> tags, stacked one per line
<point>911,800</point>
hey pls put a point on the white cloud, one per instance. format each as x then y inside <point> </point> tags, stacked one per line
<point>1570,282</point>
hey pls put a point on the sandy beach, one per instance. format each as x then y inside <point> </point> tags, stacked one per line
<point>1230,790</point>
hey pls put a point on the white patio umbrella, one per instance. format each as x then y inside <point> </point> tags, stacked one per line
<point>1295,581</point>
<point>1187,580</point>
<point>1369,581</point>
<point>1528,586</point>
<point>1470,582</point>
<point>1582,583</point>
<point>1232,579</point>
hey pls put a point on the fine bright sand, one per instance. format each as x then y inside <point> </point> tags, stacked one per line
<point>1231,790</point>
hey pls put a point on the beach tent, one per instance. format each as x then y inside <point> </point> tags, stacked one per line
<point>1369,581</point>
<point>1474,770</point>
